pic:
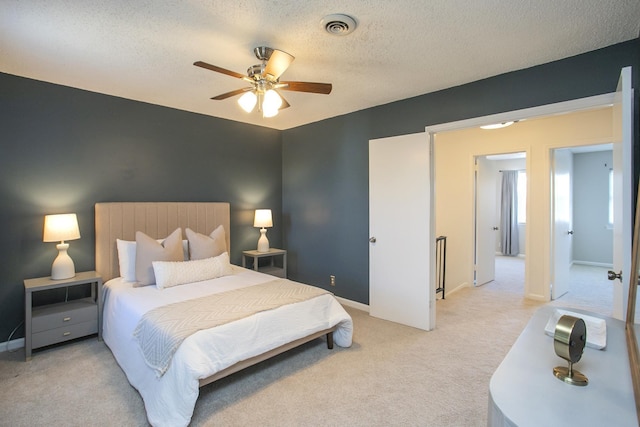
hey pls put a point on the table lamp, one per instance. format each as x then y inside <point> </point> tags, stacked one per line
<point>60,228</point>
<point>263,219</point>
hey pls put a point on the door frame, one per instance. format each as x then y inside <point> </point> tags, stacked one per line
<point>571,106</point>
<point>498,222</point>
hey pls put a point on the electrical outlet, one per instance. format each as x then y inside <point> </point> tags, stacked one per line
<point>332,280</point>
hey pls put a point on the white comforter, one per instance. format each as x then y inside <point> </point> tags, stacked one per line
<point>170,399</point>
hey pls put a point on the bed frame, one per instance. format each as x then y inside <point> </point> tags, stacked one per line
<point>121,220</point>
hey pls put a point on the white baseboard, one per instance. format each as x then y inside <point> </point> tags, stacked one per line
<point>353,304</point>
<point>593,264</point>
<point>450,291</point>
<point>11,345</point>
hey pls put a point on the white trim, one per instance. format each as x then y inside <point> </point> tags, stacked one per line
<point>353,304</point>
<point>457,289</point>
<point>594,264</point>
<point>11,345</point>
<point>597,101</point>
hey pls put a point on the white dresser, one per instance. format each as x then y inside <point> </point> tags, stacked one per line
<point>524,392</point>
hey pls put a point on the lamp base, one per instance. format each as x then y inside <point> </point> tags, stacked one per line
<point>63,267</point>
<point>263,242</point>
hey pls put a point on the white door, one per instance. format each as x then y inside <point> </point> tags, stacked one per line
<point>562,211</point>
<point>486,222</point>
<point>401,241</point>
<point>622,191</point>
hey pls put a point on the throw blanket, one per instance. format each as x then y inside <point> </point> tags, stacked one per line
<point>161,330</point>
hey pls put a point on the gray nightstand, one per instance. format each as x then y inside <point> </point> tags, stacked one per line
<point>59,322</point>
<point>276,267</point>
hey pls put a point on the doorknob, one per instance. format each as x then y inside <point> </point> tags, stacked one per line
<point>495,228</point>
<point>570,232</point>
<point>612,275</point>
<point>372,239</point>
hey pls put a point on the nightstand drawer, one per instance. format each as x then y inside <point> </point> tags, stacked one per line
<point>69,332</point>
<point>65,314</point>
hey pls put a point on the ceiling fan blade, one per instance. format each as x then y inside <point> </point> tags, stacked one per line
<point>277,64</point>
<point>323,88</point>
<point>285,104</point>
<point>232,93</point>
<point>219,69</point>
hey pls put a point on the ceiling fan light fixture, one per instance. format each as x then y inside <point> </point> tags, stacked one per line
<point>268,112</point>
<point>248,101</point>
<point>264,79</point>
<point>497,125</point>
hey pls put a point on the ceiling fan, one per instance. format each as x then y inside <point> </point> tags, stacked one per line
<point>264,79</point>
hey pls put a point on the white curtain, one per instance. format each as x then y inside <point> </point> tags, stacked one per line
<point>509,213</point>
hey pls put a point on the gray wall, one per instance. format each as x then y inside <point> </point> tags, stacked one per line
<point>63,150</point>
<point>325,164</point>
<point>592,239</point>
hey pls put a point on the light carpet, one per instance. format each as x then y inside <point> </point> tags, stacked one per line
<point>393,375</point>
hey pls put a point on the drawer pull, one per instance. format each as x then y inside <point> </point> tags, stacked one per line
<point>66,319</point>
<point>66,334</point>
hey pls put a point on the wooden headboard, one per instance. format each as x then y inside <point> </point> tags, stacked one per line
<point>121,220</point>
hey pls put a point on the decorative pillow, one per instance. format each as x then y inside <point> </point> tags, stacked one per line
<point>201,246</point>
<point>178,273</point>
<point>149,250</point>
<point>127,257</point>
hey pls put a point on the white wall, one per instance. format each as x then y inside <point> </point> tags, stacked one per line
<point>453,180</point>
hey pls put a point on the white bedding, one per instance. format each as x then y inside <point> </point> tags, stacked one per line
<point>170,399</point>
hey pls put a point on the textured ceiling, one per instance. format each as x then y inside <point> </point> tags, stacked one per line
<point>144,49</point>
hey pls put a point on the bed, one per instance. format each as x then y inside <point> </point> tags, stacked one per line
<point>210,353</point>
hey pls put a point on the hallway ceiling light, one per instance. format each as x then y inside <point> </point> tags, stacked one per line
<point>497,125</point>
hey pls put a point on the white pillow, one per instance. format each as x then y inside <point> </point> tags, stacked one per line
<point>149,250</point>
<point>127,257</point>
<point>170,274</point>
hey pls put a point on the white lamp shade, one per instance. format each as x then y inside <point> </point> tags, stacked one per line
<point>266,112</point>
<point>263,218</point>
<point>248,101</point>
<point>58,228</point>
<point>271,103</point>
<point>272,100</point>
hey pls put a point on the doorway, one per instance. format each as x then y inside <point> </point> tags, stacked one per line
<point>583,240</point>
<point>455,147</point>
<point>500,217</point>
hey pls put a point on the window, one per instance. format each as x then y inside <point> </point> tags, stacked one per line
<point>522,197</point>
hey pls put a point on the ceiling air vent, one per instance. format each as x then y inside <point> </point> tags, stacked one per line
<point>338,24</point>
